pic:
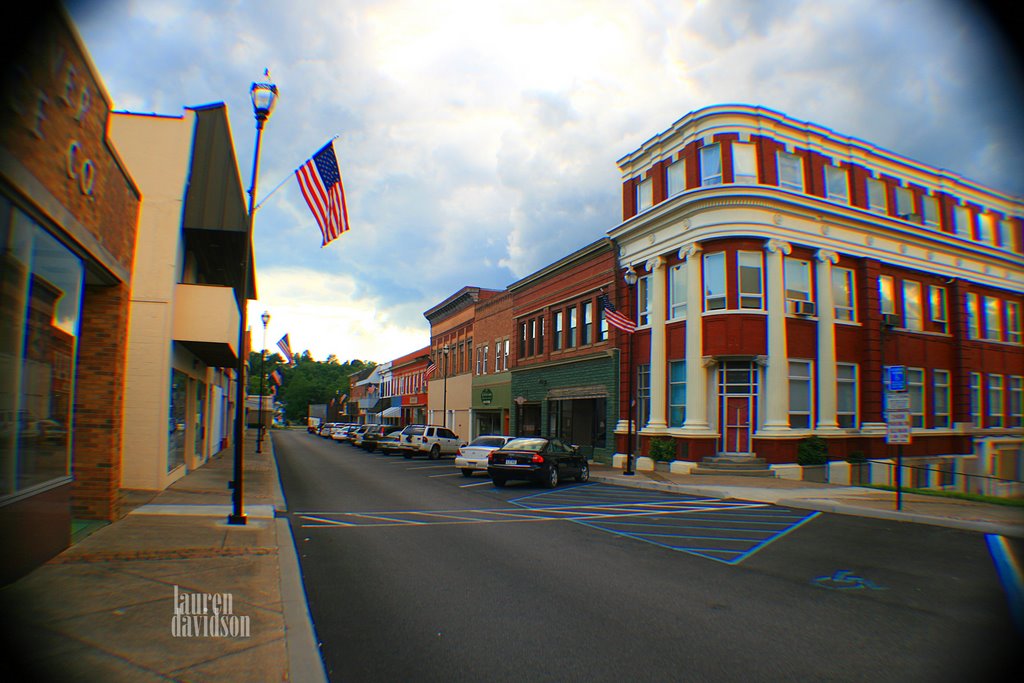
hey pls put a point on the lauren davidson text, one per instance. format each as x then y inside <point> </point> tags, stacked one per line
<point>207,615</point>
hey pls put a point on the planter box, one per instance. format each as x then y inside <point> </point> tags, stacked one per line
<point>815,473</point>
<point>860,473</point>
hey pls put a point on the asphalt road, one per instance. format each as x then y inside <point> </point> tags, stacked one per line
<point>415,573</point>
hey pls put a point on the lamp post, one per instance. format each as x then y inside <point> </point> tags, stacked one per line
<point>263,374</point>
<point>444,397</point>
<point>264,97</point>
<point>631,279</point>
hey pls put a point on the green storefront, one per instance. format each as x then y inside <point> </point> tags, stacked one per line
<point>492,403</point>
<point>576,401</point>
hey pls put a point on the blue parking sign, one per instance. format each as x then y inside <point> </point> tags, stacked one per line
<point>897,378</point>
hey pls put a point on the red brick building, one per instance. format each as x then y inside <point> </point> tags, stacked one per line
<point>409,377</point>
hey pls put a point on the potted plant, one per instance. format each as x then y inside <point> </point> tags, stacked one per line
<point>663,452</point>
<point>812,456</point>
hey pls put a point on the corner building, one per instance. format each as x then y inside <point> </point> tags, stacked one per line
<point>783,266</point>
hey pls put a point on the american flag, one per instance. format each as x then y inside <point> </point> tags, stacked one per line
<point>276,376</point>
<point>614,318</point>
<point>286,349</point>
<point>431,367</point>
<point>320,182</point>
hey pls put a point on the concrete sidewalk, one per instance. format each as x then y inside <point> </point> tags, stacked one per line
<point>104,610</point>
<point>848,500</point>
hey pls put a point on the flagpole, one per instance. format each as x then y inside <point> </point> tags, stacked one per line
<point>287,178</point>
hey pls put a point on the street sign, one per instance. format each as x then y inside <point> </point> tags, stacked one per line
<point>897,426</point>
<point>897,400</point>
<point>897,378</point>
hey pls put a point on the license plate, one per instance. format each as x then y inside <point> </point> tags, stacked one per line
<point>511,461</point>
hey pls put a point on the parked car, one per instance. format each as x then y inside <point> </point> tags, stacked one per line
<point>429,440</point>
<point>338,431</point>
<point>534,458</point>
<point>357,435</point>
<point>473,456</point>
<point>325,430</point>
<point>374,434</point>
<point>388,444</point>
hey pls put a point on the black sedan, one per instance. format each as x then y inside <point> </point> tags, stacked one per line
<point>533,458</point>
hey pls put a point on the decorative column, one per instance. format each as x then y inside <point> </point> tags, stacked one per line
<point>826,366</point>
<point>696,372</point>
<point>776,392</point>
<point>659,360</point>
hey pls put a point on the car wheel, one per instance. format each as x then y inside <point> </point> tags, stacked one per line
<point>467,473</point>
<point>551,479</point>
<point>584,474</point>
<point>435,452</point>
<point>498,481</point>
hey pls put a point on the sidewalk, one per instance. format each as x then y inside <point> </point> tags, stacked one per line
<point>847,500</point>
<point>104,610</point>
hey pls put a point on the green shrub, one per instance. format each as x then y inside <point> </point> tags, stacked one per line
<point>812,450</point>
<point>663,449</point>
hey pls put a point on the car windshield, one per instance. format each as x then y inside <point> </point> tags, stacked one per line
<point>525,444</point>
<point>414,431</point>
<point>491,441</point>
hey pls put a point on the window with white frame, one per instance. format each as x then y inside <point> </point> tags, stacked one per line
<point>798,279</point>
<point>791,171</point>
<point>556,339</point>
<point>963,221</point>
<point>676,177</point>
<point>843,294</point>
<point>751,279</point>
<point>975,395</point>
<point>1007,238</point>
<point>676,393</point>
<point>837,184</point>
<point>915,390</point>
<point>504,358</point>
<point>905,204</point>
<point>643,395</point>
<point>645,194</point>
<point>744,163</point>
<point>711,165</point>
<point>994,407</point>
<point>941,398</point>
<point>540,334</point>
<point>938,309</point>
<point>930,208</point>
<point>886,294</point>
<point>1014,405</point>
<point>1013,322</point>
<point>479,359</point>
<point>643,300</point>
<point>801,397</point>
<point>587,328</point>
<point>846,395</point>
<point>486,348</point>
<point>677,291</point>
<point>570,327</point>
<point>993,319</point>
<point>973,317</point>
<point>987,227</point>
<point>876,196</point>
<point>714,281</point>
<point>912,309</point>
<point>602,325</point>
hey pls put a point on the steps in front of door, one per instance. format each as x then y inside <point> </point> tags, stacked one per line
<point>742,466</point>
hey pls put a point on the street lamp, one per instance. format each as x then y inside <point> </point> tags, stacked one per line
<point>444,399</point>
<point>263,374</point>
<point>264,97</point>
<point>631,279</point>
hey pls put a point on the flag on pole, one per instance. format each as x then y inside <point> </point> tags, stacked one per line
<point>614,317</point>
<point>286,349</point>
<point>320,182</point>
<point>276,376</point>
<point>431,367</point>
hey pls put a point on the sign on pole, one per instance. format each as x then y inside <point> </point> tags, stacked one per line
<point>897,417</point>
<point>897,378</point>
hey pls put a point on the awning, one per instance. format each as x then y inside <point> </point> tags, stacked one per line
<point>575,393</point>
<point>393,411</point>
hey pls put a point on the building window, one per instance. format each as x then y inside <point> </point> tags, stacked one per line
<point>1007,239</point>
<point>798,280</point>
<point>479,359</point>
<point>602,327</point>
<point>504,357</point>
<point>570,328</point>
<point>643,301</point>
<point>987,228</point>
<point>531,343</point>
<point>995,401</point>
<point>714,281</point>
<point>836,184</point>
<point>791,171</point>
<point>937,308</point>
<point>645,194</point>
<point>711,165</point>
<point>963,221</point>
<point>800,394</point>
<point>973,317</point>
<point>976,399</point>
<point>522,340</point>
<point>1015,408</point>
<point>587,330</point>
<point>643,396</point>
<point>677,291</point>
<point>993,319</point>
<point>844,294</point>
<point>915,389</point>
<point>930,206</point>
<point>676,393</point>
<point>744,163</point>
<point>905,204</point>
<point>876,196</point>
<point>751,279</point>
<point>912,310</point>
<point>1013,322</point>
<point>846,395</point>
<point>940,395</point>
<point>540,335</point>
<point>676,177</point>
<point>886,294</point>
<point>556,338</point>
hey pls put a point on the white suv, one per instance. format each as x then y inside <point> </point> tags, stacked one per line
<point>428,440</point>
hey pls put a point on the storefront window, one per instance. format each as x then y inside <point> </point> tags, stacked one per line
<point>40,297</point>
<point>200,425</point>
<point>178,419</point>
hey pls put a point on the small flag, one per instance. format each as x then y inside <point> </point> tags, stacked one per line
<point>286,349</point>
<point>320,182</point>
<point>276,376</point>
<point>614,317</point>
<point>431,367</point>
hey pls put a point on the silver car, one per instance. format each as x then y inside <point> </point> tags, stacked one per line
<point>473,456</point>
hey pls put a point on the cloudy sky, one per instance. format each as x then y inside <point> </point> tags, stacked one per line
<point>478,140</point>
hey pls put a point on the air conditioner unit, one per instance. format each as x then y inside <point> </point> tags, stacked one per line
<point>801,307</point>
<point>912,217</point>
<point>890,320</point>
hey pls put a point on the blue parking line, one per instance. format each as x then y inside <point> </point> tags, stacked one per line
<point>1010,575</point>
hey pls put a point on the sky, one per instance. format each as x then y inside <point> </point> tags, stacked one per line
<point>478,140</point>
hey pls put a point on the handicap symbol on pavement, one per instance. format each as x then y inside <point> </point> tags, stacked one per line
<point>844,580</point>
